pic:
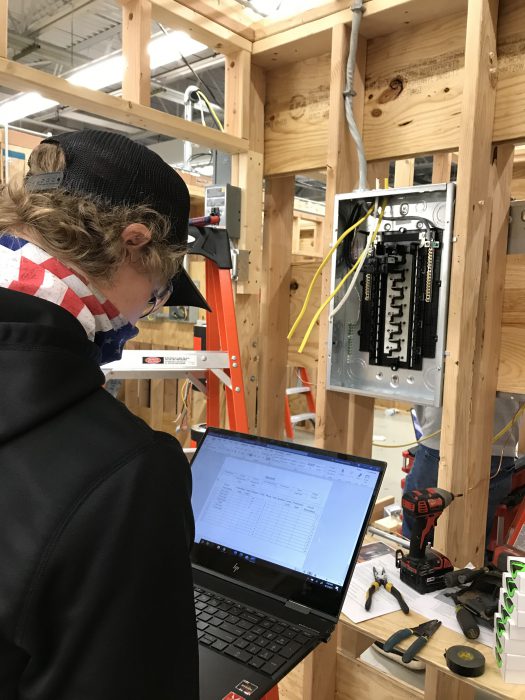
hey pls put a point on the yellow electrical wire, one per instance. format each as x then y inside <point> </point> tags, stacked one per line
<point>496,437</point>
<point>509,424</point>
<point>319,269</point>
<point>212,111</point>
<point>407,444</point>
<point>341,283</point>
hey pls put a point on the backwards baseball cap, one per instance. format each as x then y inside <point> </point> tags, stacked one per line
<point>113,169</point>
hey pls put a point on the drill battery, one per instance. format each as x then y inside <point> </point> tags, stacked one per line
<point>424,574</point>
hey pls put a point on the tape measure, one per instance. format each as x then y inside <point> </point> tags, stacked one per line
<point>465,661</point>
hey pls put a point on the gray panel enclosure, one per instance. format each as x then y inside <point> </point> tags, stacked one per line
<point>388,339</point>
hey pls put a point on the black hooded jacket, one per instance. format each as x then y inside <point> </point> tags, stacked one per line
<point>96,598</point>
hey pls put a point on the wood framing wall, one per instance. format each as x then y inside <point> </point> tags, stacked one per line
<point>432,78</point>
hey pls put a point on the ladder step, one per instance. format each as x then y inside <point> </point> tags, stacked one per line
<point>298,390</point>
<point>299,417</point>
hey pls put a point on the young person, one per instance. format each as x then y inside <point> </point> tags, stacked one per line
<point>96,597</point>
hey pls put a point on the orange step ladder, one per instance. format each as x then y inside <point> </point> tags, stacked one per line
<point>221,334</point>
<point>304,387</point>
<point>221,328</point>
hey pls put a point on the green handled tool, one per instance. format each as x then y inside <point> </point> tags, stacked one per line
<point>466,619</point>
<point>381,580</point>
<point>423,633</point>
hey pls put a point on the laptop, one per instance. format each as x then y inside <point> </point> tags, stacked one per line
<point>278,528</point>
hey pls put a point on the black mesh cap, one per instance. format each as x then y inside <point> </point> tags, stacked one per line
<point>113,169</point>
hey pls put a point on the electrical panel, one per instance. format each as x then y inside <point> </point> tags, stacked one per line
<point>388,337</point>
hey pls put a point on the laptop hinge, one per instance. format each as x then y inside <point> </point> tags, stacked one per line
<point>303,609</point>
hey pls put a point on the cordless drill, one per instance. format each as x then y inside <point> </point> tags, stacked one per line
<point>423,568</point>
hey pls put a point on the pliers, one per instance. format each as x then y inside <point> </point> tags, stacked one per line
<point>381,580</point>
<point>423,633</point>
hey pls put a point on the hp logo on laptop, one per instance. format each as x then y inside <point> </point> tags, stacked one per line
<point>236,568</point>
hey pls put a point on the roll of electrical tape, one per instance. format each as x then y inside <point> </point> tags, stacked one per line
<point>465,661</point>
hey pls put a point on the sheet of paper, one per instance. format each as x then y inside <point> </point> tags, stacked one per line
<point>382,601</point>
<point>431,605</point>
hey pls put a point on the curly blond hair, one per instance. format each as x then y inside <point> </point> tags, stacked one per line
<point>82,232</point>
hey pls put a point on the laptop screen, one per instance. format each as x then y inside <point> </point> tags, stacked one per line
<point>285,519</point>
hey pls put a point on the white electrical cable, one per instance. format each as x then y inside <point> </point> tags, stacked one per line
<point>352,284</point>
<point>349,93</point>
<point>358,269</point>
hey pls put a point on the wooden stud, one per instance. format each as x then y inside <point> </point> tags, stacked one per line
<point>440,685</point>
<point>344,422</point>
<point>21,77</point>
<point>216,36</point>
<point>277,258</point>
<point>465,452</point>
<point>136,34</point>
<point>404,172</point>
<point>319,671</point>
<point>3,28</point>
<point>351,643</point>
<point>237,94</point>
<point>244,117</point>
<point>459,534</point>
<point>441,168</point>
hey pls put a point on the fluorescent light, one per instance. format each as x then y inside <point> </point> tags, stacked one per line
<point>163,49</point>
<point>22,105</point>
<point>96,76</point>
<point>167,48</point>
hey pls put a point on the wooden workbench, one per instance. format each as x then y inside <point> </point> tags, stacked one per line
<point>356,678</point>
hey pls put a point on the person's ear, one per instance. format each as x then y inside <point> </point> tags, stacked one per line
<point>135,237</point>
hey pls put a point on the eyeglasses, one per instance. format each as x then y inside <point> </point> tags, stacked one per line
<point>159,298</point>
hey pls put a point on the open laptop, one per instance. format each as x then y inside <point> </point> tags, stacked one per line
<point>278,529</point>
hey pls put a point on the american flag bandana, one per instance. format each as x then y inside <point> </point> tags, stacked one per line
<point>24,267</point>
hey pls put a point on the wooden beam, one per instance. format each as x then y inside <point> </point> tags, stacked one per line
<point>296,116</point>
<point>465,452</point>
<point>414,85</point>
<point>228,13</point>
<point>3,28</point>
<point>136,35</point>
<point>217,37</point>
<point>277,259</point>
<point>381,17</point>
<point>25,79</point>
<point>344,422</point>
<point>510,97</point>
<point>298,37</point>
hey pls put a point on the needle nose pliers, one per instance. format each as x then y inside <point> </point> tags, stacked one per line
<point>382,580</point>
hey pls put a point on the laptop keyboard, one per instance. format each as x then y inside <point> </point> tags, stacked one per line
<point>257,640</point>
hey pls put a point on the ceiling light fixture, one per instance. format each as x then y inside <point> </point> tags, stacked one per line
<point>102,73</point>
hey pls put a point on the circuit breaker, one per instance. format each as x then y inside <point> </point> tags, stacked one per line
<point>388,337</point>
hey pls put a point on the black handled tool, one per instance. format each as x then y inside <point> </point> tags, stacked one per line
<point>423,633</point>
<point>381,580</point>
